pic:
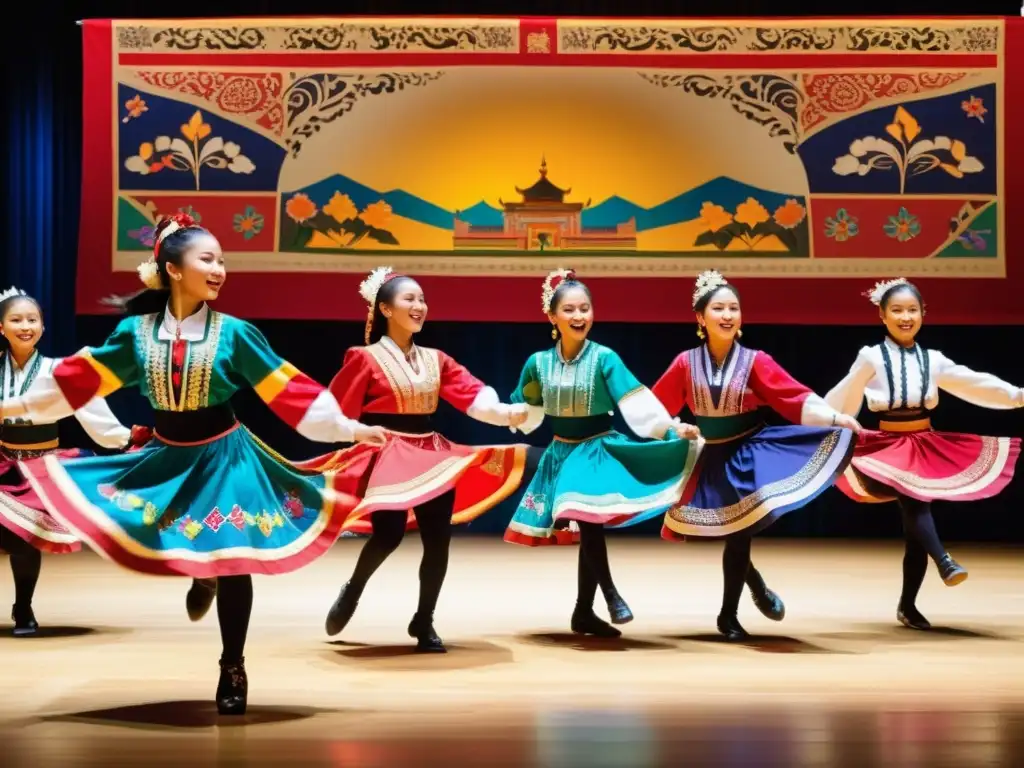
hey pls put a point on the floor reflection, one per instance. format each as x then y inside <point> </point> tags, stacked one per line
<point>721,735</point>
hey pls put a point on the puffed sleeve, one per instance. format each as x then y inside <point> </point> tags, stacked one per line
<point>673,388</point>
<point>975,387</point>
<point>351,382</point>
<point>848,395</point>
<point>467,393</point>
<point>643,412</point>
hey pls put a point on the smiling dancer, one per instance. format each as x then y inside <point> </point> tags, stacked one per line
<point>419,478</point>
<point>591,475</point>
<point>749,474</point>
<point>906,461</point>
<point>203,499</point>
<point>26,529</point>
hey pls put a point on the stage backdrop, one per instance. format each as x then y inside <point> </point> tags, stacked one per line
<point>805,159</point>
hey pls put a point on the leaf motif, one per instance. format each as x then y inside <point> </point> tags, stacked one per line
<point>137,165</point>
<point>971,164</point>
<point>894,130</point>
<point>952,170</point>
<point>958,150</point>
<point>845,165</point>
<point>382,236</point>
<point>216,144</point>
<point>242,164</point>
<point>911,128</point>
<point>704,238</point>
<point>788,238</point>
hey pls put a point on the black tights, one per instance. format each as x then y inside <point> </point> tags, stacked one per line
<point>26,561</point>
<point>593,569</point>
<point>234,607</point>
<point>735,569</point>
<point>922,542</point>
<point>434,519</point>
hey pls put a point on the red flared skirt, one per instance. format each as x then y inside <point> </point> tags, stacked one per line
<point>410,470</point>
<point>928,466</point>
<point>24,514</point>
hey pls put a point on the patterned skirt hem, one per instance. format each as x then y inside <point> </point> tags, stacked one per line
<point>36,527</point>
<point>560,537</point>
<point>69,507</point>
<point>760,509</point>
<point>880,477</point>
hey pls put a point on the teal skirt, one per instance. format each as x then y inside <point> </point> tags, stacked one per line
<point>607,479</point>
<point>223,507</point>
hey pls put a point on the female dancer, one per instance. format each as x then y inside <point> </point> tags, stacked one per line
<point>26,530</point>
<point>418,479</point>
<point>749,474</point>
<point>204,498</point>
<point>905,461</point>
<point>591,475</point>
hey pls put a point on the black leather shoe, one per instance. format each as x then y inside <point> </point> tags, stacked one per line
<point>585,622</point>
<point>951,571</point>
<point>767,601</point>
<point>731,628</point>
<point>24,619</point>
<point>909,616</point>
<point>427,641</point>
<point>341,612</point>
<point>618,611</point>
<point>232,688</point>
<point>200,598</point>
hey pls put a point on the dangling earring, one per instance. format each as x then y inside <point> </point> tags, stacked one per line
<point>700,331</point>
<point>739,333</point>
<point>554,333</point>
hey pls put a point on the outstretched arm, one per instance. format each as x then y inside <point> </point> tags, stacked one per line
<point>466,392</point>
<point>976,387</point>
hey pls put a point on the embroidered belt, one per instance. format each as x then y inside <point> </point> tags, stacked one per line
<point>409,423</point>
<point>723,429</point>
<point>194,427</point>
<point>28,437</point>
<point>915,420</point>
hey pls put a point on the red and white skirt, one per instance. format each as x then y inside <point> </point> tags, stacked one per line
<point>24,514</point>
<point>909,459</point>
<point>411,469</point>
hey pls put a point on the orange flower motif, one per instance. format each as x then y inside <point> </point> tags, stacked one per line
<point>135,106</point>
<point>299,208</point>
<point>195,129</point>
<point>714,217</point>
<point>974,107</point>
<point>341,208</point>
<point>376,215</point>
<point>790,214</point>
<point>751,213</point>
<point>903,126</point>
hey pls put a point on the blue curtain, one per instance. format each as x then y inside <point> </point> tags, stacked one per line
<point>42,138</point>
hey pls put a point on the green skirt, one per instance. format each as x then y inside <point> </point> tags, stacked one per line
<point>221,507</point>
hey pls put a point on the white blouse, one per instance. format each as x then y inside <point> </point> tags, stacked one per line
<point>96,418</point>
<point>868,379</point>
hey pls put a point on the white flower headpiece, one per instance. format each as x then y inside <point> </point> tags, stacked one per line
<point>707,281</point>
<point>12,292</point>
<point>149,271</point>
<point>371,285</point>
<point>551,283</point>
<point>875,294</point>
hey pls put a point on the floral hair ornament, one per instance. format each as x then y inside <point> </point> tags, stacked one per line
<point>11,292</point>
<point>149,270</point>
<point>708,281</point>
<point>875,294</point>
<point>369,289</point>
<point>551,283</point>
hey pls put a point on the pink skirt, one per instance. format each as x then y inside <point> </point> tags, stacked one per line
<point>23,514</point>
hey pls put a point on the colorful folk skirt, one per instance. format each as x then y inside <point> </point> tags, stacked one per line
<point>411,469</point>
<point>747,483</point>
<point>23,513</point>
<point>222,506</point>
<point>608,479</point>
<point>927,465</point>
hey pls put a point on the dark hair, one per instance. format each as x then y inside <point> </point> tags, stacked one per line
<point>703,301</point>
<point>385,295</point>
<point>887,296</point>
<point>170,250</point>
<point>564,287</point>
<point>5,307</point>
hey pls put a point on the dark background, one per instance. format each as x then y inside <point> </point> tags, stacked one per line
<point>42,141</point>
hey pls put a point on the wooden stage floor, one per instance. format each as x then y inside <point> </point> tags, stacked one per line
<point>122,678</point>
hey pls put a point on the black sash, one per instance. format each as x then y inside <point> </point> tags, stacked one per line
<point>16,435</point>
<point>410,423</point>
<point>195,426</point>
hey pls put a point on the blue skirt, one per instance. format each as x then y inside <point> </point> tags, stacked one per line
<point>748,483</point>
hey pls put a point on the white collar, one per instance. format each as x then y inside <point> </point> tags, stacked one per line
<point>193,327</point>
<point>15,368</point>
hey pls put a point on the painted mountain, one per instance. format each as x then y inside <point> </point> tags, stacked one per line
<point>615,210</point>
